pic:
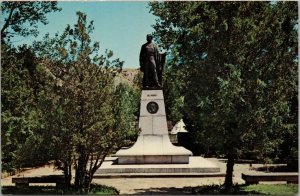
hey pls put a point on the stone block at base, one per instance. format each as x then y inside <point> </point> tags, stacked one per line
<point>154,159</point>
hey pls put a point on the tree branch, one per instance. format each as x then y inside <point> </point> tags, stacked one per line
<point>7,22</point>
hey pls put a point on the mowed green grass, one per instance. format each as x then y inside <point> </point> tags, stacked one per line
<point>257,189</point>
<point>272,189</point>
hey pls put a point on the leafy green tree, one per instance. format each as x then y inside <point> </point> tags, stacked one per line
<point>86,116</point>
<point>239,66</point>
<point>19,116</point>
<point>125,109</point>
<point>173,98</point>
<point>22,17</point>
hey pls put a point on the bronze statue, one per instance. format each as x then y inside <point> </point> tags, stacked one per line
<point>151,63</point>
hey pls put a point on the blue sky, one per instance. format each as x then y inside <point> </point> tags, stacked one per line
<point>119,26</point>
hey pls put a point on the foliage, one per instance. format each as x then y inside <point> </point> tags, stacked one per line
<point>138,80</point>
<point>125,101</point>
<point>103,190</point>
<point>20,116</point>
<point>173,98</point>
<point>238,72</point>
<point>22,18</point>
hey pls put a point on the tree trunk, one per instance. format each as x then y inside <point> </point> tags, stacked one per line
<point>87,183</point>
<point>229,172</point>
<point>80,173</point>
<point>68,176</point>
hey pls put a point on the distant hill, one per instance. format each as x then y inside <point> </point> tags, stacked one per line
<point>126,76</point>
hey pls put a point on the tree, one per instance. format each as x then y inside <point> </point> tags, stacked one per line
<point>173,97</point>
<point>126,107</point>
<point>85,116</point>
<point>239,64</point>
<point>20,114</point>
<point>17,14</point>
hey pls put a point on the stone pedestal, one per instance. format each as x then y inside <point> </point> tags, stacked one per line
<point>153,145</point>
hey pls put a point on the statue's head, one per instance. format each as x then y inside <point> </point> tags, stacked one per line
<point>149,37</point>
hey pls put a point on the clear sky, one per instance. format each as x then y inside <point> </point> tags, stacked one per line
<point>119,26</point>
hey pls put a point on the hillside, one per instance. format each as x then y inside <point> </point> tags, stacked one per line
<point>127,76</point>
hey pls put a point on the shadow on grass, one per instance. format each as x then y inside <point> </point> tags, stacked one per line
<point>52,190</point>
<point>164,191</point>
<point>220,189</point>
<point>200,190</point>
<point>260,189</point>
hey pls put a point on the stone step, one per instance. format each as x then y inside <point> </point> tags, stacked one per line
<point>159,175</point>
<point>197,165</point>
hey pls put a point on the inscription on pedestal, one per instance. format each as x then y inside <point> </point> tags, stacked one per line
<point>151,95</point>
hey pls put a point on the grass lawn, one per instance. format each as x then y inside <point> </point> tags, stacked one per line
<point>52,190</point>
<point>257,189</point>
<point>272,189</point>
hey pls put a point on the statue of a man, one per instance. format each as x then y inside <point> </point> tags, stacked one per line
<point>151,63</point>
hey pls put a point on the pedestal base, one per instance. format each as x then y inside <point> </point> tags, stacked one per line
<point>153,145</point>
<point>150,149</point>
<point>196,165</point>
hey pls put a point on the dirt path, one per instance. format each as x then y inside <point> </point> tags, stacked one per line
<point>147,185</point>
